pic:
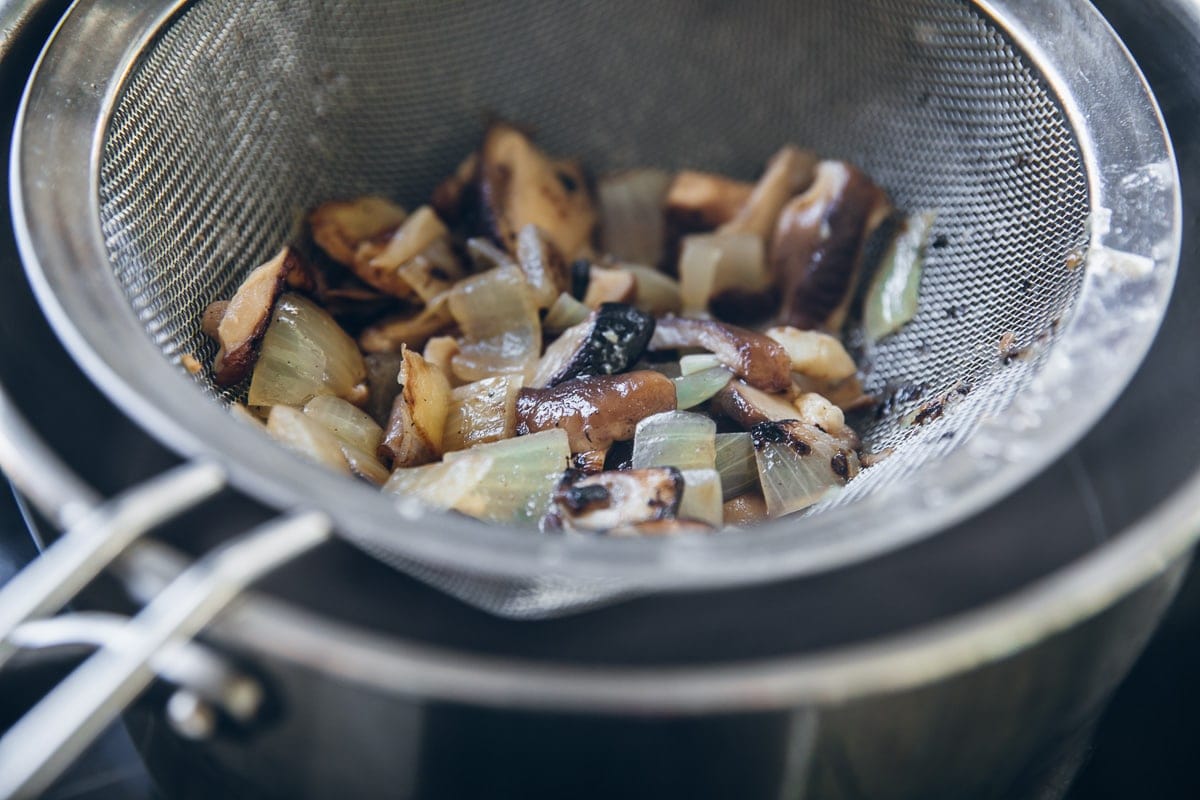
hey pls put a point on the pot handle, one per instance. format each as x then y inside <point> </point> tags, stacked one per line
<point>56,730</point>
<point>52,734</point>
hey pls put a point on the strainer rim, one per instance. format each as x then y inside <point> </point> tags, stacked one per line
<point>84,91</point>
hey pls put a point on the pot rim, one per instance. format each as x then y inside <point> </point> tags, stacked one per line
<point>1054,604</point>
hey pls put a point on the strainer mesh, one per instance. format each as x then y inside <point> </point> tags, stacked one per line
<point>242,115</point>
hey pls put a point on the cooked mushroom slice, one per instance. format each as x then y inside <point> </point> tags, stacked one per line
<point>339,227</point>
<point>417,258</point>
<point>799,464</point>
<point>761,361</point>
<point>544,267</point>
<point>747,406</point>
<point>611,500</point>
<point>609,285</point>
<point>818,244</point>
<point>244,320</point>
<point>612,338</point>
<point>519,185</point>
<point>789,172</point>
<point>700,201</point>
<point>412,330</point>
<point>596,411</point>
<point>815,354</point>
<point>415,429</point>
<point>449,196</point>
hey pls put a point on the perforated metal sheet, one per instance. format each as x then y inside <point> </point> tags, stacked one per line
<point>241,116</point>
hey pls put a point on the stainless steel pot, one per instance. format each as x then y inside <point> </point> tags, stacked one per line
<point>899,683</point>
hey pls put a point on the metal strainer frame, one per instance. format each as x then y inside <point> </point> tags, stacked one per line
<point>1135,209</point>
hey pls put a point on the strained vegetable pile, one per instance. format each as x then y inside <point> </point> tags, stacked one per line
<point>645,354</point>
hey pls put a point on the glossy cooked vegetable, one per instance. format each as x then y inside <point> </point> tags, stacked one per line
<point>548,351</point>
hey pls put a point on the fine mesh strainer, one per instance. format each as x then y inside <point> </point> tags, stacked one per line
<point>165,149</point>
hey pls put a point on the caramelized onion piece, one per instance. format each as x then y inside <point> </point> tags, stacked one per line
<point>596,411</point>
<point>416,259</point>
<point>759,360</point>
<point>339,227</point>
<point>415,429</point>
<point>544,267</point>
<point>412,330</point>
<point>818,244</point>
<point>789,172</point>
<point>609,285</point>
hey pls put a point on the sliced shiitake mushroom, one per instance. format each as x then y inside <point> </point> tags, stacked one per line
<point>595,411</point>
<point>612,338</point>
<point>449,196</point>
<point>746,406</point>
<point>244,319</point>
<point>339,227</point>
<point>818,244</point>
<point>520,185</point>
<point>701,201</point>
<point>610,501</point>
<point>761,361</point>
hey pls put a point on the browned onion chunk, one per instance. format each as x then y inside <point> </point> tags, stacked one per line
<point>819,241</point>
<point>596,411</point>
<point>758,359</point>
<point>791,170</point>
<point>339,227</point>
